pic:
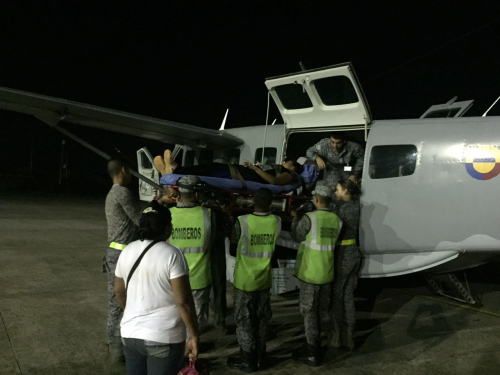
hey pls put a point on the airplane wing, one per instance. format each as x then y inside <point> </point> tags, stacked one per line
<point>52,110</point>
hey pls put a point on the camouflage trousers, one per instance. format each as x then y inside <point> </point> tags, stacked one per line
<point>201,299</point>
<point>115,312</point>
<point>343,312</point>
<point>315,305</point>
<point>218,267</point>
<point>252,312</point>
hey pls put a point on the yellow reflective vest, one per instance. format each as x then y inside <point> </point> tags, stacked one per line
<point>255,250</point>
<point>315,259</point>
<point>191,233</point>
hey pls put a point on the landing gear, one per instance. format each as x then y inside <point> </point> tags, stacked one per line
<point>448,285</point>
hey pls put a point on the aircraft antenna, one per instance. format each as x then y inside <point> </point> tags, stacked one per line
<point>484,115</point>
<point>265,131</point>
<point>224,121</point>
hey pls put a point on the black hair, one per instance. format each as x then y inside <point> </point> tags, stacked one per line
<point>115,166</point>
<point>297,167</point>
<point>153,223</point>
<point>352,188</point>
<point>338,135</point>
<point>263,199</point>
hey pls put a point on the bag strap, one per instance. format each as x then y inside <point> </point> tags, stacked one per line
<point>136,264</point>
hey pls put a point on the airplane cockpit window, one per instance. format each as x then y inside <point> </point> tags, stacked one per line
<point>269,155</point>
<point>443,113</point>
<point>145,162</point>
<point>293,96</point>
<point>337,90</point>
<point>392,161</point>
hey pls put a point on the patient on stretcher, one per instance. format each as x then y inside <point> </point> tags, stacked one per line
<point>287,173</point>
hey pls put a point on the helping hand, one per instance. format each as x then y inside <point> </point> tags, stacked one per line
<point>321,163</point>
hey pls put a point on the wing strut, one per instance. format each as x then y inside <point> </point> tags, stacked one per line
<point>54,124</point>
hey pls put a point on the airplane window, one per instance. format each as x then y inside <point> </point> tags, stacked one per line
<point>269,155</point>
<point>293,96</point>
<point>336,90</point>
<point>443,113</point>
<point>145,162</point>
<point>392,161</point>
<point>189,159</point>
<point>206,156</point>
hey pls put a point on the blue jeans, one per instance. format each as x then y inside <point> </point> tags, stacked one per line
<point>152,358</point>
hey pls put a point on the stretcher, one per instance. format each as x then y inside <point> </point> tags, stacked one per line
<point>235,185</point>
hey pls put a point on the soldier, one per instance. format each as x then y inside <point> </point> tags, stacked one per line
<point>193,233</point>
<point>255,237</point>
<point>347,266</point>
<point>123,215</point>
<point>317,231</point>
<point>341,159</point>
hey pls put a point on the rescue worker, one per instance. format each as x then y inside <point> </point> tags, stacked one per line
<point>123,214</point>
<point>317,232</point>
<point>193,233</point>
<point>341,159</point>
<point>255,237</point>
<point>348,261</point>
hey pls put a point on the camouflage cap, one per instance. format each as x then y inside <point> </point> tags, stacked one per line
<point>323,190</point>
<point>188,183</point>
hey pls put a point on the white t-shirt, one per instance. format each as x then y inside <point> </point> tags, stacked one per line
<point>151,312</point>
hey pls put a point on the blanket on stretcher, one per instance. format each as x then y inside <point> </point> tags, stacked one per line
<point>224,183</point>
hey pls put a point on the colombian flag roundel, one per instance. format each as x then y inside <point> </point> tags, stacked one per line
<point>482,162</point>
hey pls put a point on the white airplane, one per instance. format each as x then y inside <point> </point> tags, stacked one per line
<point>429,184</point>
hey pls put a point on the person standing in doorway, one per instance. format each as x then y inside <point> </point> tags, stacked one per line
<point>339,158</point>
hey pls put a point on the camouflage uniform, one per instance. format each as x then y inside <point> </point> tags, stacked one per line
<point>252,310</point>
<point>315,300</point>
<point>352,154</point>
<point>218,265</point>
<point>123,215</point>
<point>347,263</point>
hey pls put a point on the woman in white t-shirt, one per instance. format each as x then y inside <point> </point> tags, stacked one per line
<point>158,302</point>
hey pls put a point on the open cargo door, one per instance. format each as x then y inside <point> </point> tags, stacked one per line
<point>320,98</point>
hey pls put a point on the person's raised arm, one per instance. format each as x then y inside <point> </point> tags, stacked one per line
<point>184,300</point>
<point>301,225</point>
<point>359,154</point>
<point>317,152</point>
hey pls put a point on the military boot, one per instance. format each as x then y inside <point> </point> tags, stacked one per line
<point>245,362</point>
<point>308,354</point>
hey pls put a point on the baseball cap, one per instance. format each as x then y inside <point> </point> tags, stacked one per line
<point>186,184</point>
<point>323,190</point>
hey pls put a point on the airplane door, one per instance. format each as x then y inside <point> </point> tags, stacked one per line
<point>450,109</point>
<point>320,98</point>
<point>147,169</point>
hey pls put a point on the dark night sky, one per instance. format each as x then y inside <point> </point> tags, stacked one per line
<point>190,61</point>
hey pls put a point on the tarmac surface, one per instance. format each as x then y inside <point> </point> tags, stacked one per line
<point>53,308</point>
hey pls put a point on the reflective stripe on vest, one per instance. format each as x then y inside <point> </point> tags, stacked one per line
<point>346,242</point>
<point>314,262</point>
<point>117,246</point>
<point>255,250</point>
<point>191,233</point>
